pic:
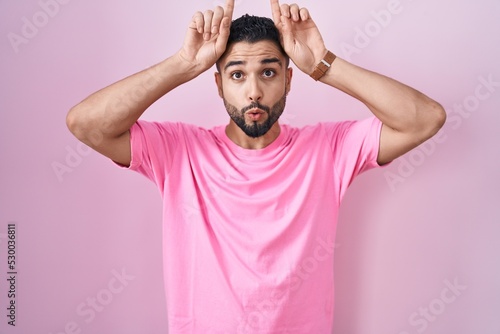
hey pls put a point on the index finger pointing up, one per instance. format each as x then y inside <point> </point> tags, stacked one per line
<point>228,11</point>
<point>275,7</point>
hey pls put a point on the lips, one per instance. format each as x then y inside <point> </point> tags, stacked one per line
<point>255,114</point>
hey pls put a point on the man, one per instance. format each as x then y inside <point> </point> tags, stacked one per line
<point>254,254</point>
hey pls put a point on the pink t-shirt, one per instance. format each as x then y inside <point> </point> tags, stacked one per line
<point>249,234</point>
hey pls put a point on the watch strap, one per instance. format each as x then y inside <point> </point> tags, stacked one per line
<point>323,66</point>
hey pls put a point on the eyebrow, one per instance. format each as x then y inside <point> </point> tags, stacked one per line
<point>271,61</point>
<point>234,63</point>
<point>263,61</point>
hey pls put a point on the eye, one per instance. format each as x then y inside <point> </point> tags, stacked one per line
<point>269,73</point>
<point>237,75</point>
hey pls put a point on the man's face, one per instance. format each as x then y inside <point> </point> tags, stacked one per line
<point>253,82</point>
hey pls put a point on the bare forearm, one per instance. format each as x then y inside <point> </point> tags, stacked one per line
<point>397,105</point>
<point>111,111</point>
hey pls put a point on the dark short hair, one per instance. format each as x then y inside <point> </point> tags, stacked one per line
<point>253,29</point>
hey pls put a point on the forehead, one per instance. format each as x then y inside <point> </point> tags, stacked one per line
<point>251,52</point>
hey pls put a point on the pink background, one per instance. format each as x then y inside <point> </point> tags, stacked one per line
<point>406,233</point>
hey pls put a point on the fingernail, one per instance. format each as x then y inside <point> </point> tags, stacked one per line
<point>206,36</point>
<point>214,29</point>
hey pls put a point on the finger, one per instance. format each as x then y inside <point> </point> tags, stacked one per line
<point>275,8</point>
<point>197,22</point>
<point>285,10</point>
<point>229,9</point>
<point>217,19</point>
<point>304,14</point>
<point>220,44</point>
<point>207,27</point>
<point>294,12</point>
<point>286,33</point>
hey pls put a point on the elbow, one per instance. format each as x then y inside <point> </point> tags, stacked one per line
<point>437,117</point>
<point>75,122</point>
<point>430,118</point>
<point>71,121</point>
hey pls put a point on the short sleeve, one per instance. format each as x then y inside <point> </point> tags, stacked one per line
<point>153,146</point>
<point>355,146</point>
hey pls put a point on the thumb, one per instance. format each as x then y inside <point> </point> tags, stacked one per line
<point>220,44</point>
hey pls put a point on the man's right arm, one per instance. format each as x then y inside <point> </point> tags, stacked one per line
<point>103,120</point>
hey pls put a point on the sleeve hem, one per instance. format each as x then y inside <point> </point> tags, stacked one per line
<point>379,135</point>
<point>135,151</point>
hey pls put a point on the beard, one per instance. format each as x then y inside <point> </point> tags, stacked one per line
<point>256,129</point>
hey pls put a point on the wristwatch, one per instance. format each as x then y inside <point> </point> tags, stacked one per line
<point>323,66</point>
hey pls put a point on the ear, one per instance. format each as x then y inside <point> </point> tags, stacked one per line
<point>218,82</point>
<point>288,80</point>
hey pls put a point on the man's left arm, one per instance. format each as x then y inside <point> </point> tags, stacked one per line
<point>409,117</point>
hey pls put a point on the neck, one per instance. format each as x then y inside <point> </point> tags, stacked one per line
<point>239,137</point>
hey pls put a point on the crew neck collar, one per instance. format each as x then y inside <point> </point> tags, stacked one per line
<point>236,149</point>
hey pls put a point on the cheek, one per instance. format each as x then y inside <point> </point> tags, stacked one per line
<point>234,95</point>
<point>230,102</point>
<point>276,91</point>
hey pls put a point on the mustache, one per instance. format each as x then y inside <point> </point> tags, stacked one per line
<point>255,105</point>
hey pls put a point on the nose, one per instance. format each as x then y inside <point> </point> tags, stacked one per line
<point>255,90</point>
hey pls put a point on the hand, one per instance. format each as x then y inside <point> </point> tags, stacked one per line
<point>207,36</point>
<point>301,38</point>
